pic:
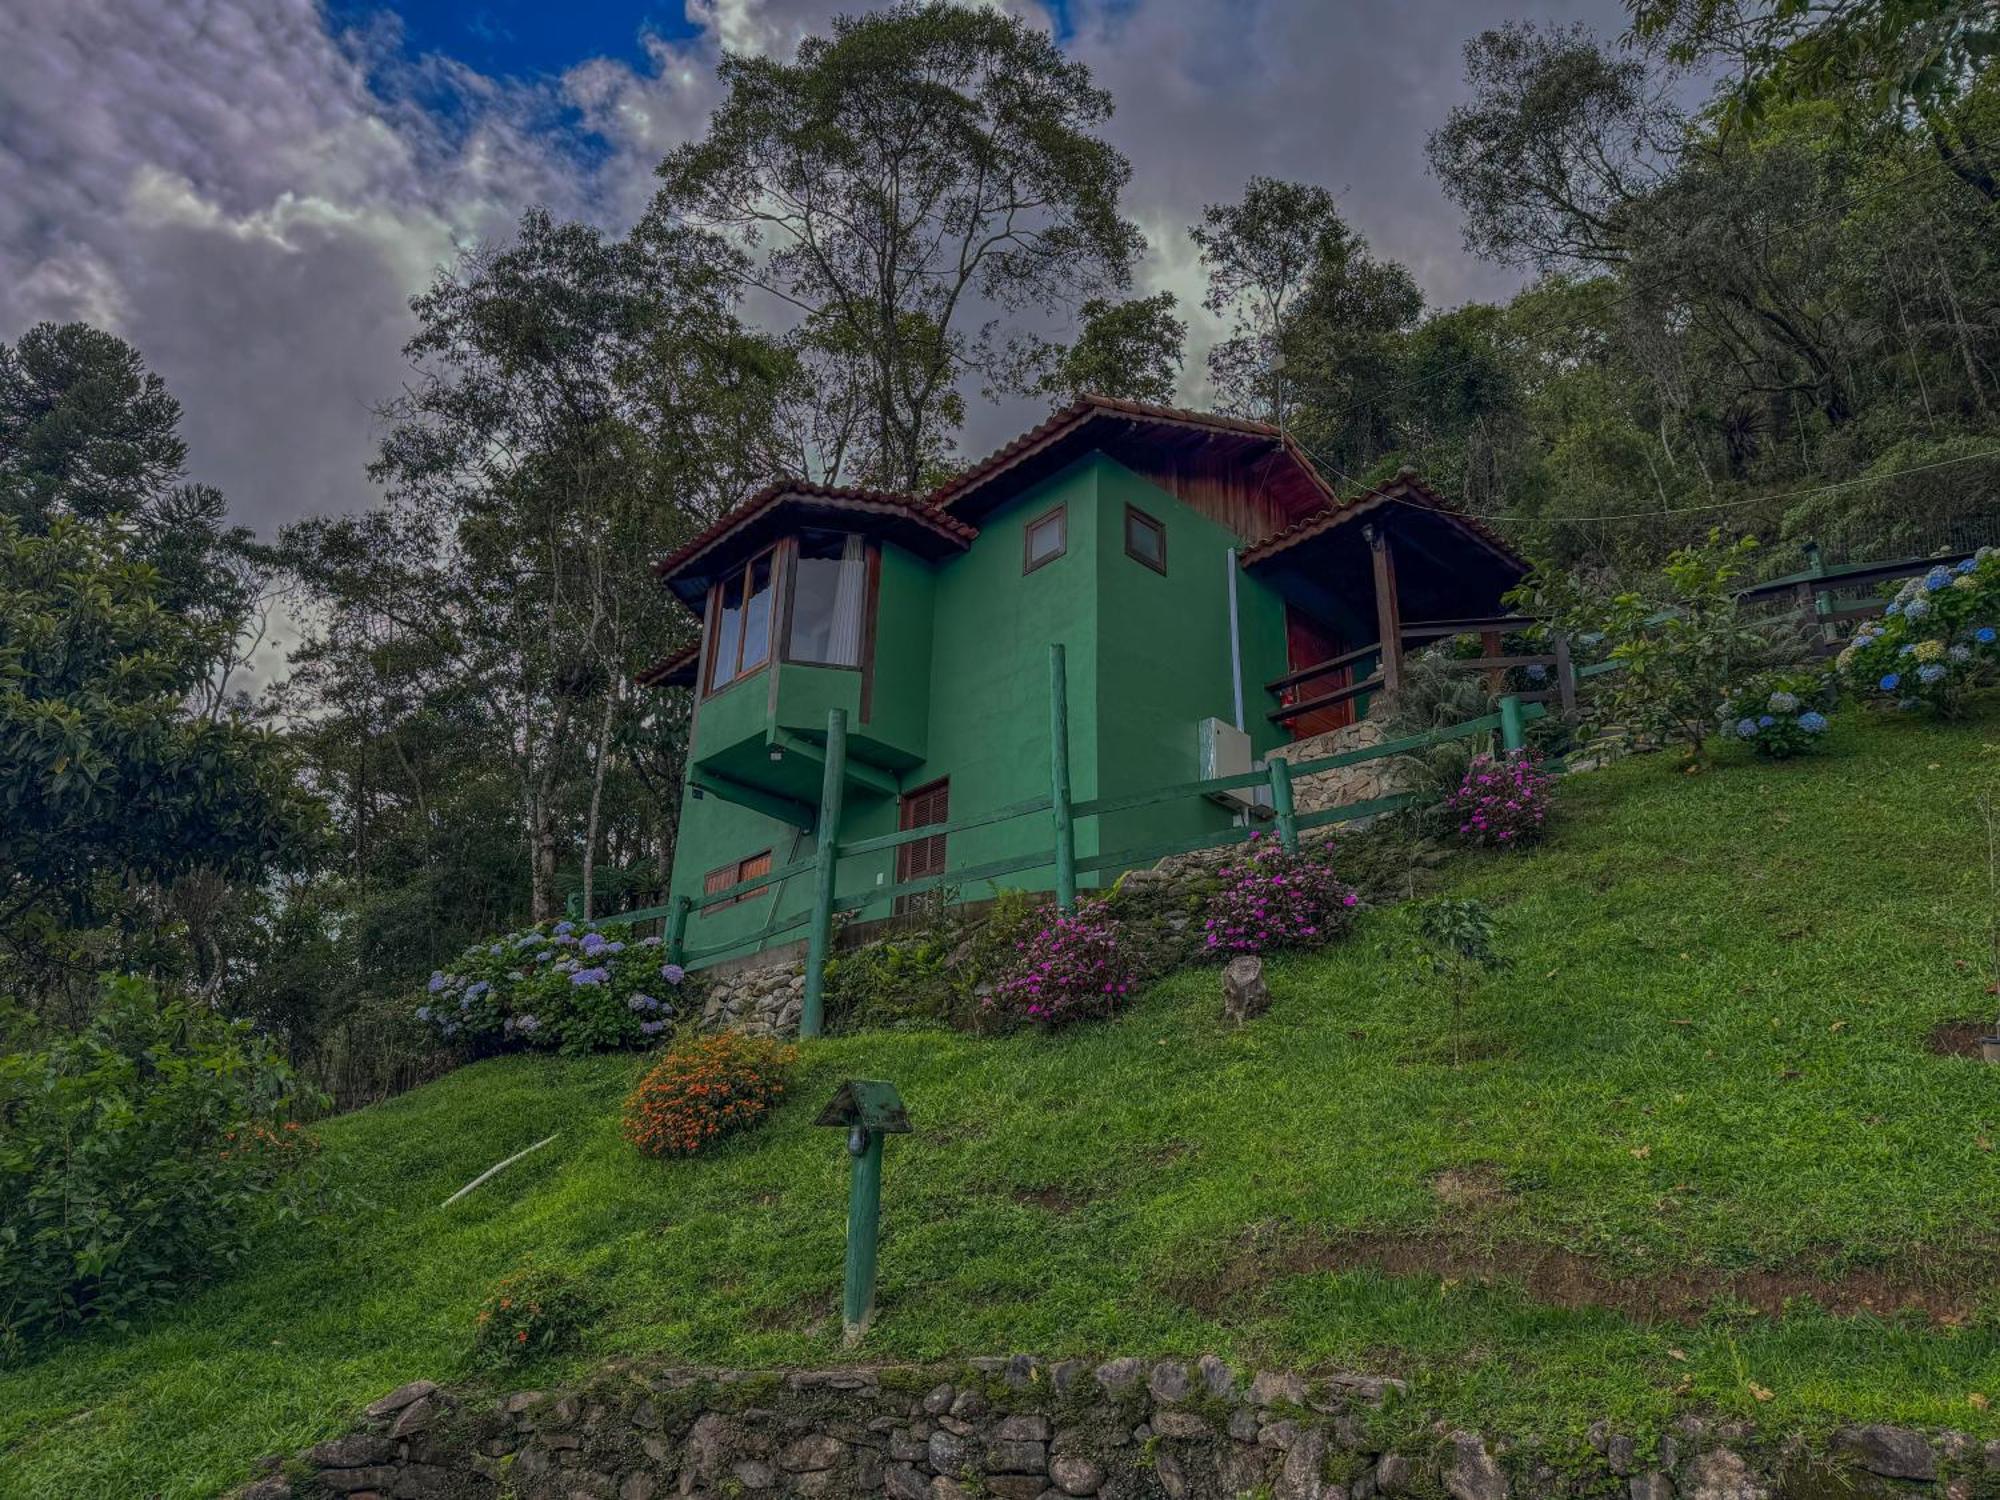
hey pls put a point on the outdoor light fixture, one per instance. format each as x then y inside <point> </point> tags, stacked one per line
<point>868,1109</point>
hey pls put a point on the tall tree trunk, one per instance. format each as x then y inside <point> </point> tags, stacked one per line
<point>601,757</point>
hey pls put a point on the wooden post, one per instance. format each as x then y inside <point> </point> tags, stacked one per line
<point>1513,732</point>
<point>1065,829</point>
<point>1496,677</point>
<point>1388,614</point>
<point>677,930</point>
<point>1565,676</point>
<point>1281,803</point>
<point>1822,601</point>
<point>825,858</point>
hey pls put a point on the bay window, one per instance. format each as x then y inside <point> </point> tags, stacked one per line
<point>829,598</point>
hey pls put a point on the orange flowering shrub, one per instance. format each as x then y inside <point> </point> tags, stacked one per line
<point>536,1311</point>
<point>704,1089</point>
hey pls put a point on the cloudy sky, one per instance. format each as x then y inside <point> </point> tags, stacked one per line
<point>250,190</point>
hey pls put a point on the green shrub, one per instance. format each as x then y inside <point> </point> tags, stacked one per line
<point>1681,640</point>
<point>136,1156</point>
<point>571,987</point>
<point>1938,639</point>
<point>534,1312</point>
<point>1779,714</point>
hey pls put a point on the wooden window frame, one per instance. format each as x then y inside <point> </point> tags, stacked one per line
<point>871,554</point>
<point>714,631</point>
<point>1133,513</point>
<point>906,853</point>
<point>1029,562</point>
<point>738,875</point>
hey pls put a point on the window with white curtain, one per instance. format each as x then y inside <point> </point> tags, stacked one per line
<point>829,598</point>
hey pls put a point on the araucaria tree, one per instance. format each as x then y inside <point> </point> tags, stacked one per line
<point>127,778</point>
<point>911,173</point>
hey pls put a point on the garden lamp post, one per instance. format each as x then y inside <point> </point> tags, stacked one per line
<point>868,1109</point>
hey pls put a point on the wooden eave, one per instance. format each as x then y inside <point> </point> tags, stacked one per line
<point>1145,438</point>
<point>781,509</point>
<point>1404,491</point>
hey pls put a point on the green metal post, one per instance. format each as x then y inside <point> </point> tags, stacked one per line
<point>1513,733</point>
<point>1281,803</point>
<point>1059,782</point>
<point>825,858</point>
<point>677,930</point>
<point>864,1221</point>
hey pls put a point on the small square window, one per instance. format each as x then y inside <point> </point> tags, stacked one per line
<point>734,874</point>
<point>1046,539</point>
<point>1145,539</point>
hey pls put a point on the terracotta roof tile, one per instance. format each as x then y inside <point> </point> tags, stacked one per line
<point>1077,412</point>
<point>1404,489</point>
<point>913,507</point>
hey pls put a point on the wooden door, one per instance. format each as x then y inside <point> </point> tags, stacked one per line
<point>1306,642</point>
<point>921,857</point>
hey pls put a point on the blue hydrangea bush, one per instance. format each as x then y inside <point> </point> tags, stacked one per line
<point>1778,714</point>
<point>1938,639</point>
<point>568,987</point>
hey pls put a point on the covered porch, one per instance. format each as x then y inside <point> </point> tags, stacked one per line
<point>1368,582</point>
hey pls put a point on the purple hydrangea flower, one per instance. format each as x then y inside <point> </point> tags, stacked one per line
<point>672,973</point>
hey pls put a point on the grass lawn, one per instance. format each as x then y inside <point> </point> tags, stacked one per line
<point>1695,1137</point>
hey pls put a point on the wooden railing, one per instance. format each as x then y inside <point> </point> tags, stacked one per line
<point>1062,811</point>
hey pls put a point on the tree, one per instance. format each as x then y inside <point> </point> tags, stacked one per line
<point>918,161</point>
<point>1343,342</point>
<point>86,430</point>
<point>1558,140</point>
<point>1129,349</point>
<point>581,405</point>
<point>1260,254</point>
<point>107,783</point>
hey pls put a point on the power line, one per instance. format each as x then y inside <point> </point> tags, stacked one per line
<point>1679,510</point>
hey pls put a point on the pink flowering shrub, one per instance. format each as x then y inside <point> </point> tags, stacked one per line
<point>1072,969</point>
<point>1502,803</point>
<point>1271,899</point>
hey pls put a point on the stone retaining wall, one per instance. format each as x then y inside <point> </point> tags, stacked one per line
<point>1023,1429</point>
<point>1345,784</point>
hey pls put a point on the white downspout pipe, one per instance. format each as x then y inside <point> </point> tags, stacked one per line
<point>1235,642</point>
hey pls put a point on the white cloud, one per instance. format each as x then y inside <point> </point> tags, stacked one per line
<point>251,199</point>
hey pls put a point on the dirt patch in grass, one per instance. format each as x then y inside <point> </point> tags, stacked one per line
<point>1959,1038</point>
<point>1945,1292</point>
<point>1479,1186</point>
<point>1050,1199</point>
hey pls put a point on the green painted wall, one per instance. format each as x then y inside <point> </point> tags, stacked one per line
<point>961,689</point>
<point>1164,658</point>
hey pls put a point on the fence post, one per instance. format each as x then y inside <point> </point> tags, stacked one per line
<point>677,930</point>
<point>1281,803</point>
<point>1565,675</point>
<point>1822,601</point>
<point>1059,783</point>
<point>1513,734</point>
<point>825,858</point>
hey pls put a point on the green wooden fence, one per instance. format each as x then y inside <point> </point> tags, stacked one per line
<point>1063,812</point>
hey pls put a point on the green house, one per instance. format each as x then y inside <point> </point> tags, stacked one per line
<point>1214,598</point>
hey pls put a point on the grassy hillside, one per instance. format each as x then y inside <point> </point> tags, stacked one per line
<point>1697,1153</point>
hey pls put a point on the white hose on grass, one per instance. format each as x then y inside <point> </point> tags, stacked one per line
<point>496,1167</point>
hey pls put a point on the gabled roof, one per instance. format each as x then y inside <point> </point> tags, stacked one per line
<point>789,504</point>
<point>1405,490</point>
<point>1145,437</point>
